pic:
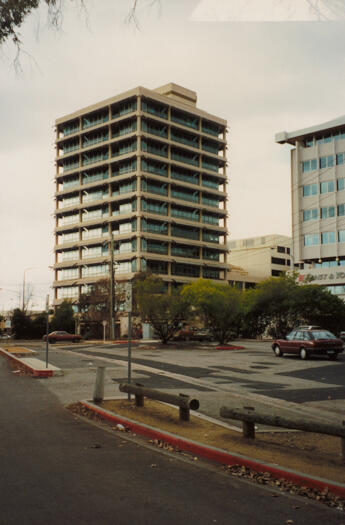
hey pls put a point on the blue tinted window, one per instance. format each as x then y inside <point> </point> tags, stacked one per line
<point>327,212</point>
<point>311,240</point>
<point>327,187</point>
<point>328,238</point>
<point>340,158</point>
<point>309,189</point>
<point>340,184</point>
<point>309,215</point>
<point>309,165</point>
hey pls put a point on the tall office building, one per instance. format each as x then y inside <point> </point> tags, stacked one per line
<point>144,171</point>
<point>318,202</point>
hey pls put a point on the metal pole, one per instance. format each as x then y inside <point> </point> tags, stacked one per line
<point>24,291</point>
<point>47,330</point>
<point>129,350</point>
<point>111,305</point>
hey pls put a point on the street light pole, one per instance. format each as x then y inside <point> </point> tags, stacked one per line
<point>26,269</point>
<point>111,305</point>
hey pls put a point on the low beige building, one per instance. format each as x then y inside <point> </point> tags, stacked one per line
<point>257,258</point>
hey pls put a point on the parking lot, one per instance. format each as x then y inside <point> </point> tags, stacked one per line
<point>213,375</point>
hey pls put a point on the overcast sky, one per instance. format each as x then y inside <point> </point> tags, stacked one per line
<point>262,77</point>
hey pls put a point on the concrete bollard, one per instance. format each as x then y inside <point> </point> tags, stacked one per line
<point>98,393</point>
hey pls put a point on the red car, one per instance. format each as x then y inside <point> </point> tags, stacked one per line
<point>60,336</point>
<point>306,341</point>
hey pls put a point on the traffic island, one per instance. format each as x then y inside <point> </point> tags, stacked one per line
<point>299,462</point>
<point>29,365</point>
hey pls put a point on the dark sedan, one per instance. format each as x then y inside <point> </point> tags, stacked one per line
<point>306,342</point>
<point>61,336</point>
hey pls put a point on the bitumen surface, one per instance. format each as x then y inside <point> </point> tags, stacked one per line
<point>59,469</point>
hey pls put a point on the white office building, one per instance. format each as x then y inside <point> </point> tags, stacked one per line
<point>318,202</point>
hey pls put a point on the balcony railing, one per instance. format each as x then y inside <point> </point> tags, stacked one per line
<point>152,167</point>
<point>191,197</point>
<point>177,137</point>
<point>186,159</point>
<point>93,121</point>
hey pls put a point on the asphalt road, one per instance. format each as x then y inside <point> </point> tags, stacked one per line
<point>59,470</point>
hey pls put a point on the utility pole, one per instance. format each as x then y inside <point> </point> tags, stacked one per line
<point>128,308</point>
<point>47,329</point>
<point>112,286</point>
<point>26,269</point>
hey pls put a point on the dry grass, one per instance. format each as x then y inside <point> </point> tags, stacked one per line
<point>313,454</point>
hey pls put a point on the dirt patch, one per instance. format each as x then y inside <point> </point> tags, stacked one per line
<point>313,454</point>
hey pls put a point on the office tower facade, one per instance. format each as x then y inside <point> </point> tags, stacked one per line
<point>141,181</point>
<point>318,202</point>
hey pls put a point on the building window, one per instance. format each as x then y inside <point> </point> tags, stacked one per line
<point>327,212</point>
<point>341,210</point>
<point>309,142</point>
<point>278,260</point>
<point>327,162</point>
<point>340,184</point>
<point>276,273</point>
<point>340,157</point>
<point>309,189</point>
<point>309,165</point>
<point>337,289</point>
<point>67,292</point>
<point>311,239</point>
<point>341,235</point>
<point>327,187</point>
<point>68,273</point>
<point>328,237</point>
<point>210,273</point>
<point>309,215</point>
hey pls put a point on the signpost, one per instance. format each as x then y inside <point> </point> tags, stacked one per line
<point>47,330</point>
<point>104,326</point>
<point>128,308</point>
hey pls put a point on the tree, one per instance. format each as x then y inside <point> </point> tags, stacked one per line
<point>269,306</point>
<point>20,324</point>
<point>38,326</point>
<point>13,14</point>
<point>63,318</point>
<point>279,304</point>
<point>219,305</point>
<point>163,311</point>
<point>94,305</point>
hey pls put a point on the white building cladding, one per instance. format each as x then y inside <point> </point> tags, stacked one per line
<point>318,202</point>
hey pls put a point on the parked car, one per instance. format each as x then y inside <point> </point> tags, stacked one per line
<point>200,334</point>
<point>306,341</point>
<point>5,336</point>
<point>60,335</point>
<point>183,334</point>
<point>342,336</point>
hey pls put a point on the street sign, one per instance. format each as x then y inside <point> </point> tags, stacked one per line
<point>128,297</point>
